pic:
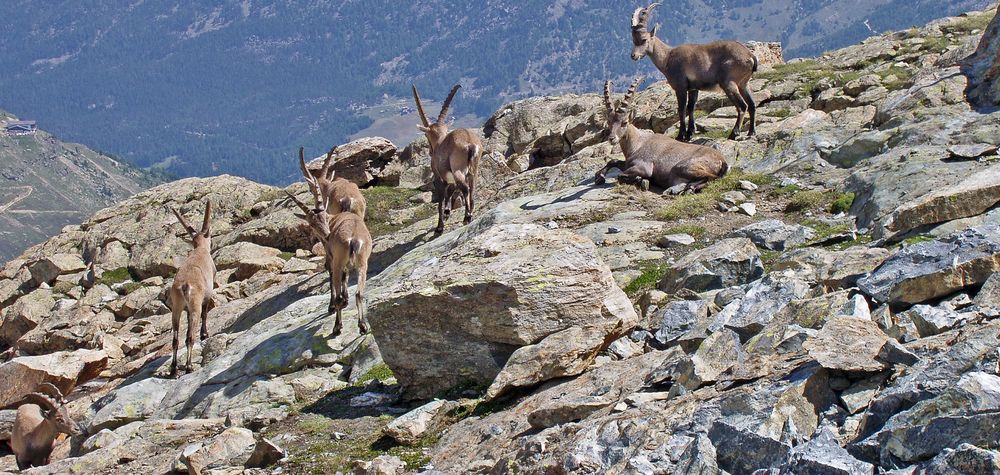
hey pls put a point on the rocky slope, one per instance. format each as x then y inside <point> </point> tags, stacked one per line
<point>46,184</point>
<point>828,307</point>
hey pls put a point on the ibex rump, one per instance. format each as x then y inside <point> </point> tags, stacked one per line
<point>348,246</point>
<point>193,286</point>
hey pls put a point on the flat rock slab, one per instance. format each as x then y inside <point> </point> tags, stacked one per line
<point>972,151</point>
<point>930,270</point>
<point>728,263</point>
<point>848,344</point>
<point>65,370</point>
<point>776,235</point>
<point>971,197</point>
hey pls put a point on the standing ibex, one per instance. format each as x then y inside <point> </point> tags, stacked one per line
<point>193,287</point>
<point>37,424</point>
<point>344,194</point>
<point>656,158</point>
<point>725,65</point>
<point>348,246</point>
<point>455,159</point>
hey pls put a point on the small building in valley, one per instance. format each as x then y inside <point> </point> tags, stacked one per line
<point>21,127</point>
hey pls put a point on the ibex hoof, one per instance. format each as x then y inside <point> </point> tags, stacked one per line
<point>644,185</point>
<point>599,180</point>
<point>363,328</point>
<point>468,219</point>
<point>439,230</point>
<point>337,330</point>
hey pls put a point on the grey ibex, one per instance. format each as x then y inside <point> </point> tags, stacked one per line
<point>193,287</point>
<point>721,65</point>
<point>37,424</point>
<point>657,159</point>
<point>344,194</point>
<point>348,246</point>
<point>455,157</point>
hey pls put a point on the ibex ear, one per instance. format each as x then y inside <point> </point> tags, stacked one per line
<point>652,33</point>
<point>422,128</point>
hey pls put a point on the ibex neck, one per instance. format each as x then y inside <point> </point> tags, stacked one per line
<point>631,140</point>
<point>659,53</point>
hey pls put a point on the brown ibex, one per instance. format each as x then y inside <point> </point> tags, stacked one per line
<point>344,194</point>
<point>721,65</point>
<point>656,158</point>
<point>37,424</point>
<point>455,159</point>
<point>348,246</point>
<point>193,287</point>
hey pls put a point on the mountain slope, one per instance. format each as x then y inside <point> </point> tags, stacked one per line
<point>46,184</point>
<point>203,89</point>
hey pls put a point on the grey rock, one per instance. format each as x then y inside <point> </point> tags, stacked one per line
<point>727,296</point>
<point>678,317</point>
<point>748,209</point>
<point>728,263</point>
<point>66,370</point>
<point>675,240</point>
<point>421,422</point>
<point>564,410</point>
<point>719,352</point>
<point>929,270</point>
<point>989,294</point>
<point>823,455</point>
<point>832,269</point>
<point>742,452</point>
<point>861,147</point>
<point>972,196</point>
<point>233,446</point>
<point>733,198</point>
<point>964,459</point>
<point>698,458</point>
<point>763,300</point>
<point>776,235</point>
<point>857,397</point>
<point>932,321</point>
<point>795,415</point>
<point>971,151</point>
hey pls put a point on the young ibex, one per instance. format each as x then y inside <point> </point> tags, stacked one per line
<point>193,287</point>
<point>37,424</point>
<point>344,194</point>
<point>655,158</point>
<point>348,246</point>
<point>721,65</point>
<point>455,159</point>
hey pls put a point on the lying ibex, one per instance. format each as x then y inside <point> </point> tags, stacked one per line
<point>344,194</point>
<point>193,287</point>
<point>455,159</point>
<point>37,424</point>
<point>721,65</point>
<point>655,158</point>
<point>348,246</point>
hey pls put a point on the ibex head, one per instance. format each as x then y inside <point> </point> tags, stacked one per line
<point>53,406</point>
<point>326,172</point>
<point>620,114</point>
<point>201,238</point>
<point>317,218</point>
<point>642,36</point>
<point>437,131</point>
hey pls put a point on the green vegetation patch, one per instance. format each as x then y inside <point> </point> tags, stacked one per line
<point>116,276</point>
<point>286,255</point>
<point>843,203</point>
<point>814,200</point>
<point>381,372</point>
<point>62,287</point>
<point>381,201</point>
<point>692,230</point>
<point>650,274</point>
<point>697,204</point>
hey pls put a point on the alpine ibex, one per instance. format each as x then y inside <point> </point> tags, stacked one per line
<point>193,287</point>
<point>721,65</point>
<point>656,158</point>
<point>37,424</point>
<point>455,159</point>
<point>348,246</point>
<point>344,194</point>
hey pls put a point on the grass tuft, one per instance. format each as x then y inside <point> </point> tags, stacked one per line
<point>116,276</point>
<point>697,204</point>
<point>650,274</point>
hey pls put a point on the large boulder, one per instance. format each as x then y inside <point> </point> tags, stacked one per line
<point>929,270</point>
<point>361,161</point>
<point>24,315</point>
<point>983,68</point>
<point>727,263</point>
<point>65,370</point>
<point>451,313</point>
<point>47,269</point>
<point>776,235</point>
<point>248,259</point>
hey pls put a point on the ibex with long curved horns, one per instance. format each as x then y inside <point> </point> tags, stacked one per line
<point>455,159</point>
<point>344,194</point>
<point>37,424</point>
<point>348,246</point>
<point>193,287</point>
<point>721,65</point>
<point>657,159</point>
